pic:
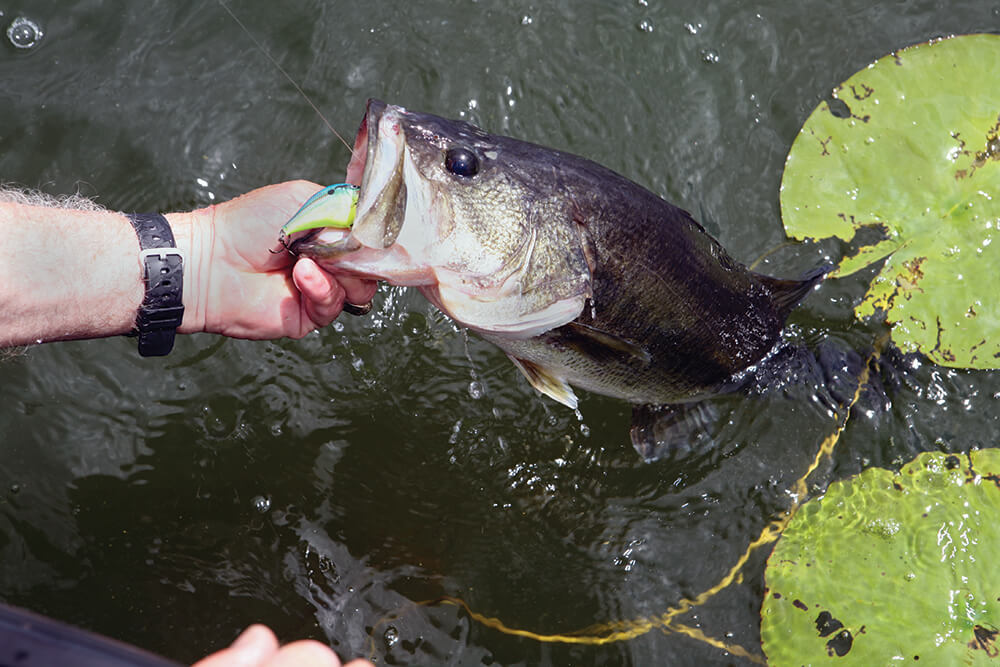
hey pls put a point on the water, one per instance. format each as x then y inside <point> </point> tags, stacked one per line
<point>324,486</point>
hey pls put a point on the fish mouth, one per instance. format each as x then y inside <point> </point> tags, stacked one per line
<point>382,199</point>
<point>379,166</point>
<point>376,167</point>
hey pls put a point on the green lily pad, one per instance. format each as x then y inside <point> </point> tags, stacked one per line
<point>891,567</point>
<point>904,163</point>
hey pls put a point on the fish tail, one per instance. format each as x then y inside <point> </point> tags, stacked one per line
<point>786,294</point>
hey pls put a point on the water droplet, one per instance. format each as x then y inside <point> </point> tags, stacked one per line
<point>15,488</point>
<point>645,26</point>
<point>338,327</point>
<point>476,390</point>
<point>24,33</point>
<point>261,503</point>
<point>527,20</point>
<point>692,28</point>
<point>710,56</point>
<point>391,636</point>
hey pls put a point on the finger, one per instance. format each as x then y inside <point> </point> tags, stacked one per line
<point>322,295</point>
<point>254,647</point>
<point>357,290</point>
<point>305,653</point>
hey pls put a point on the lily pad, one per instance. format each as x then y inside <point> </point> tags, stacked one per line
<point>903,162</point>
<point>891,567</point>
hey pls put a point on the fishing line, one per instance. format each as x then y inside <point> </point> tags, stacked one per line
<point>617,631</point>
<point>784,244</point>
<point>288,76</point>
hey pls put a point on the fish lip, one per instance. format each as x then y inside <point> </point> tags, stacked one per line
<point>311,246</point>
<point>360,170</point>
<point>382,186</point>
<point>364,143</point>
<point>300,243</point>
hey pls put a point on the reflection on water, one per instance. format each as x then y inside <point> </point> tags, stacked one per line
<point>325,486</point>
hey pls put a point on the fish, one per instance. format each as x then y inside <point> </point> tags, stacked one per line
<point>584,278</point>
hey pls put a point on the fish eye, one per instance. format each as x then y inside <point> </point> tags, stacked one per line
<point>461,162</point>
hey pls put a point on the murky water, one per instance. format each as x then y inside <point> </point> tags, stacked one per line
<point>324,486</point>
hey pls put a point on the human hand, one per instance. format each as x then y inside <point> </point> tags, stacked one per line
<point>234,285</point>
<point>258,647</point>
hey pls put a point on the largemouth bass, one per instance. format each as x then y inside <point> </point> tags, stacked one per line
<point>584,278</point>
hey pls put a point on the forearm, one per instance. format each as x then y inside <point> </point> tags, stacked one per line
<point>68,273</point>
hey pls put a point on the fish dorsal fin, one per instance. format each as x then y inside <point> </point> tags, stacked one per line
<point>599,344</point>
<point>546,381</point>
<point>787,294</point>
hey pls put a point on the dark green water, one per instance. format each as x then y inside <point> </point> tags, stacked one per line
<point>323,485</point>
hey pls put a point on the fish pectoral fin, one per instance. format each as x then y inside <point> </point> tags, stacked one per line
<point>671,431</point>
<point>546,382</point>
<point>601,345</point>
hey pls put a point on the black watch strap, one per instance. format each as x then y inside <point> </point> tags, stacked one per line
<point>162,310</point>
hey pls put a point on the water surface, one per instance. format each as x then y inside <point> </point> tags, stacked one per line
<point>324,486</point>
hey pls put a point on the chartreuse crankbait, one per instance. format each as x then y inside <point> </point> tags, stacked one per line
<point>333,206</point>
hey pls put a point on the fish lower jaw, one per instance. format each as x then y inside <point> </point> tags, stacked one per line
<point>392,265</point>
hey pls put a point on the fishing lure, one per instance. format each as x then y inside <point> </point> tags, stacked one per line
<point>336,212</point>
<point>333,206</point>
<point>339,206</point>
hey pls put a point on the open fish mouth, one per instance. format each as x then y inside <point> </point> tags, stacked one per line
<point>369,248</point>
<point>307,225</point>
<point>375,167</point>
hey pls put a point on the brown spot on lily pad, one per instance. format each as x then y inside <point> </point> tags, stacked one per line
<point>866,91</point>
<point>840,645</point>
<point>826,624</point>
<point>984,639</point>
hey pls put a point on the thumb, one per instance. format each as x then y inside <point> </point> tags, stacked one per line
<point>322,295</point>
<point>253,647</point>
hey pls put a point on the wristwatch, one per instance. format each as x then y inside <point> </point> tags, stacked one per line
<point>162,310</point>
